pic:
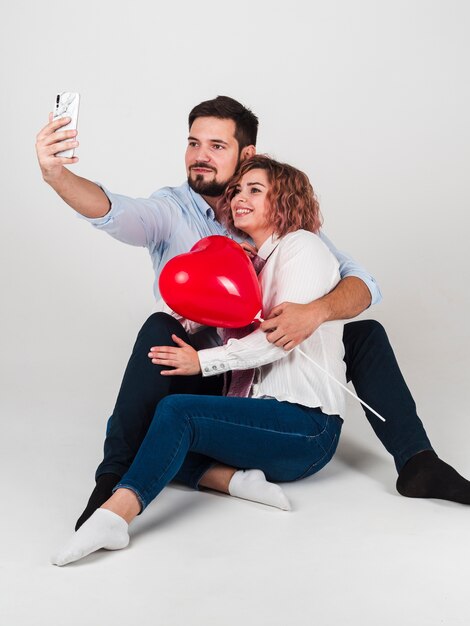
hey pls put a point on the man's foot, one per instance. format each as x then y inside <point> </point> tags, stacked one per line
<point>102,492</point>
<point>425,475</point>
<point>104,529</point>
<point>252,485</point>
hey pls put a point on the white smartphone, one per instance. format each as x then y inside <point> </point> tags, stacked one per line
<point>66,105</point>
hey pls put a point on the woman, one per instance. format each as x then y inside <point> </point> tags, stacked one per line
<point>289,425</point>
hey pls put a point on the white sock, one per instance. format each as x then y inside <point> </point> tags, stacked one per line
<point>252,485</point>
<point>104,529</point>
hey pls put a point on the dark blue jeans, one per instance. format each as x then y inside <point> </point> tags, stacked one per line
<point>371,366</point>
<point>286,441</point>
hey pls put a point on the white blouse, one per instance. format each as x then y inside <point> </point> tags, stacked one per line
<point>300,268</point>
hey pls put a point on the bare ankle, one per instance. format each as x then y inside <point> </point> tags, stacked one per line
<point>218,478</point>
<point>124,503</point>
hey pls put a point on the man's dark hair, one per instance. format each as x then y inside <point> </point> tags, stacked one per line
<point>225,108</point>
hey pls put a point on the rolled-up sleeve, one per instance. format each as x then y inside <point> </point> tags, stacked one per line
<point>350,267</point>
<point>137,221</point>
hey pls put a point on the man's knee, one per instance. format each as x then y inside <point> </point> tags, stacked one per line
<point>161,325</point>
<point>373,328</point>
<point>370,331</point>
<point>160,319</point>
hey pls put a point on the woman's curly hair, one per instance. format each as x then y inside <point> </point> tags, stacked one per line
<point>292,201</point>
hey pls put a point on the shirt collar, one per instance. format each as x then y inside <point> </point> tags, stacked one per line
<point>268,246</point>
<point>201,204</point>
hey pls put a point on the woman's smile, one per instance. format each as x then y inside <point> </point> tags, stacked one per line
<point>243,211</point>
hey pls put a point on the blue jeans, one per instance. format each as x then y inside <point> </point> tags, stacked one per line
<point>286,441</point>
<point>371,367</point>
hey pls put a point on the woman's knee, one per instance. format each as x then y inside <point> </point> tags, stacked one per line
<point>173,406</point>
<point>173,412</point>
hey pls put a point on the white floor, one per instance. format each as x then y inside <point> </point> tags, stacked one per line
<point>352,551</point>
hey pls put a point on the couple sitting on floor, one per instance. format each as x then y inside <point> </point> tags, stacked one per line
<point>170,422</point>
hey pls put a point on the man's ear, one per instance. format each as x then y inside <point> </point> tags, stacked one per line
<point>247,153</point>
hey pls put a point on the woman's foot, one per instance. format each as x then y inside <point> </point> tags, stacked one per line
<point>103,491</point>
<point>252,485</point>
<point>104,529</point>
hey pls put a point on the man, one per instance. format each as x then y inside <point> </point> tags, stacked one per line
<point>222,133</point>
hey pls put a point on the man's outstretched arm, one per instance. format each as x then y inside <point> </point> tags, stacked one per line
<point>289,324</point>
<point>81,194</point>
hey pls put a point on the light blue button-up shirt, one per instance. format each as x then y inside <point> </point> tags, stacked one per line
<point>173,219</point>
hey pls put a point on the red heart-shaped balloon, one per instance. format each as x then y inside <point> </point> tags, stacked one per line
<point>213,284</point>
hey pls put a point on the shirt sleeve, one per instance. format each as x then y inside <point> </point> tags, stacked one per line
<point>290,283</point>
<point>137,221</point>
<point>349,267</point>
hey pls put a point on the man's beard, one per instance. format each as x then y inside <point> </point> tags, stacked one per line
<point>211,188</point>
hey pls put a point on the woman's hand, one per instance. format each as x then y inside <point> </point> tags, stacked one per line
<point>183,358</point>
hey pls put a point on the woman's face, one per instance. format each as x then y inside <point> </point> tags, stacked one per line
<point>250,206</point>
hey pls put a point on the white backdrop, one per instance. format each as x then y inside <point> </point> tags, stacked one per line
<point>370,98</point>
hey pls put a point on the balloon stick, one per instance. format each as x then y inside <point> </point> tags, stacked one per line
<point>260,319</point>
<point>340,384</point>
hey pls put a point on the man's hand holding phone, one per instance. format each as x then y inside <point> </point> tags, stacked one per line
<point>49,142</point>
<point>55,144</point>
<point>55,147</point>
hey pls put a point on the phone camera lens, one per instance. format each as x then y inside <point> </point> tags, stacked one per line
<point>58,99</point>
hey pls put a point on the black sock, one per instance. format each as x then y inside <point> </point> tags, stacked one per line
<point>425,475</point>
<point>102,492</point>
